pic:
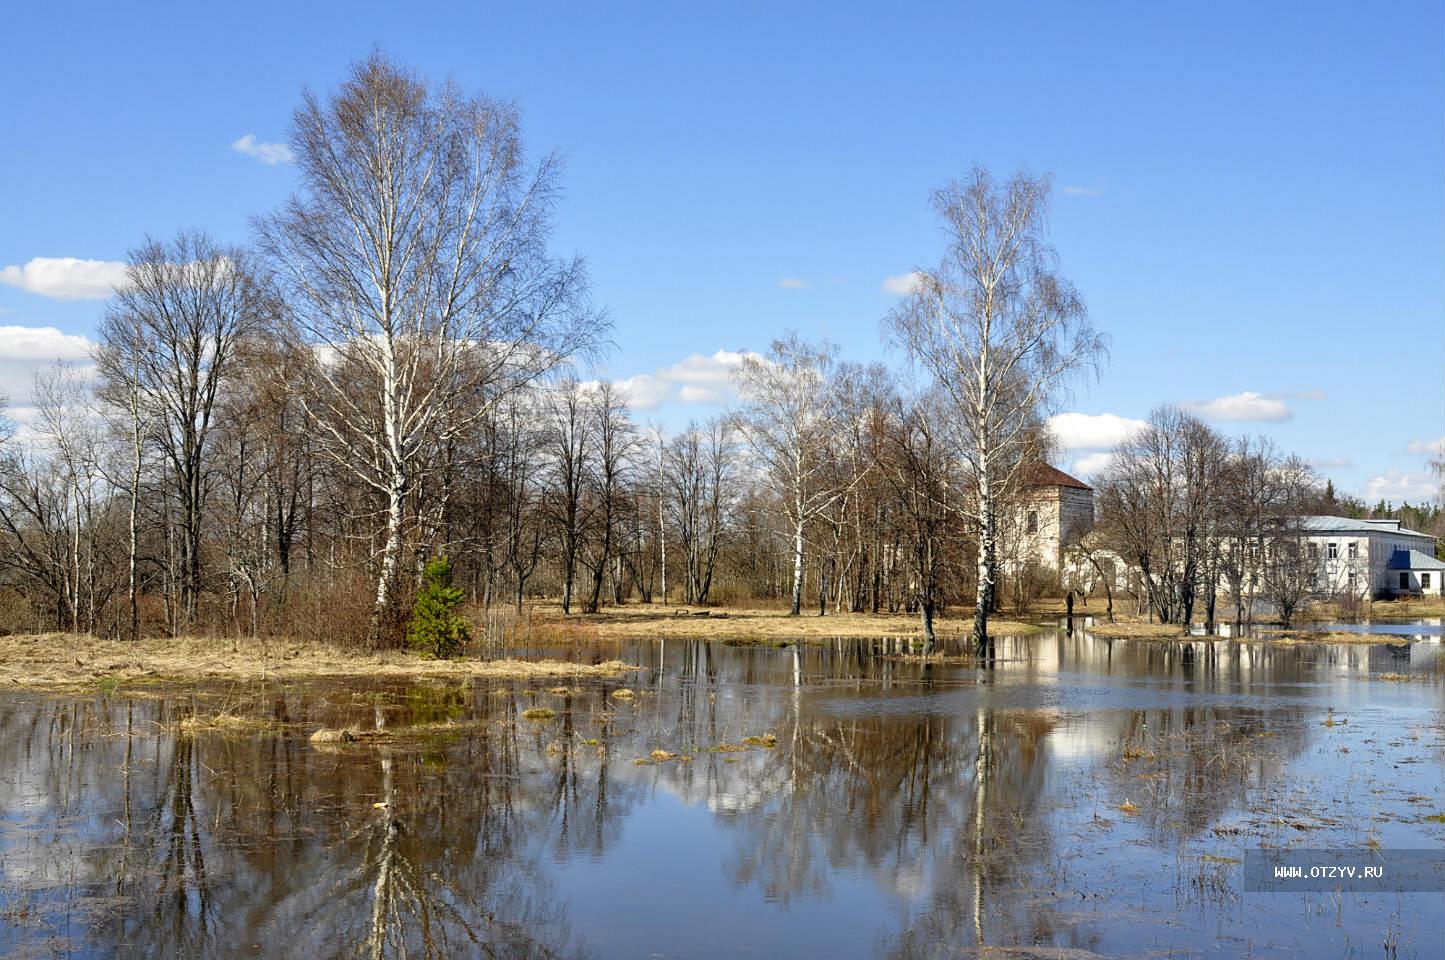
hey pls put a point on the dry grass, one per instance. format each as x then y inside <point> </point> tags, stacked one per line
<point>337,737</point>
<point>1285,637</point>
<point>740,625</point>
<point>62,660</point>
<point>1138,630</point>
<point>225,722</point>
<point>1405,608</point>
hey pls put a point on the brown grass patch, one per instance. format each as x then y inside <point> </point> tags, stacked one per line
<point>936,658</point>
<point>1285,637</point>
<point>742,625</point>
<point>225,722</point>
<point>1138,630</point>
<point>63,660</point>
<point>1405,608</point>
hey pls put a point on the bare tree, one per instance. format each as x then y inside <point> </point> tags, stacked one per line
<point>1158,505</point>
<point>614,443</point>
<point>1288,568</point>
<point>1000,332</point>
<point>416,266</point>
<point>66,430</point>
<point>915,462</point>
<point>168,342</point>
<point>787,420</point>
<point>569,449</point>
<point>700,479</point>
<point>123,403</point>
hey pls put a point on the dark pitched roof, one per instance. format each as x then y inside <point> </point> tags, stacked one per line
<point>1043,475</point>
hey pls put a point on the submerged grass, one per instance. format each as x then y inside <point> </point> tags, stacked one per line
<point>58,660</point>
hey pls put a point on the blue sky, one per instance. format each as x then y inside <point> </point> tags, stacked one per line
<point>1249,195</point>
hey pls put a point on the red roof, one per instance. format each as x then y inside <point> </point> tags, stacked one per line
<point>1043,475</point>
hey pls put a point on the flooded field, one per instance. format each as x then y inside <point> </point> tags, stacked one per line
<point>1081,797</point>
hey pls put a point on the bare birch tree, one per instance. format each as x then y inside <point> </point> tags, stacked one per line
<point>416,266</point>
<point>1001,332</point>
<point>787,421</point>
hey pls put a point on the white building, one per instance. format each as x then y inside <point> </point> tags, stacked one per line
<point>1372,558</point>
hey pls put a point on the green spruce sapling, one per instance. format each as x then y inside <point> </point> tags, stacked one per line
<point>436,629</point>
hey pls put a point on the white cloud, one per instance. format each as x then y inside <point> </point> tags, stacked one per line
<point>24,350</point>
<point>1331,463</point>
<point>1072,190</point>
<point>793,283</point>
<point>268,153</point>
<point>1243,407</point>
<point>1426,448</point>
<point>698,378</point>
<point>66,278</point>
<point>644,391</point>
<point>903,284</point>
<point>1093,464</point>
<point>1399,487</point>
<point>42,343</point>
<point>1312,395</point>
<point>1084,431</point>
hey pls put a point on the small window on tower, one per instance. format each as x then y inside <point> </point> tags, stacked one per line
<point>1031,523</point>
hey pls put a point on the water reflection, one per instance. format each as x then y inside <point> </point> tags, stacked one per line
<point>883,807</point>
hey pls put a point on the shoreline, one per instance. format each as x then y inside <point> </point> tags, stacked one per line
<point>58,660</point>
<point>746,626</point>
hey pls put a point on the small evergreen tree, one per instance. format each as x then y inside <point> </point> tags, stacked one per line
<point>436,629</point>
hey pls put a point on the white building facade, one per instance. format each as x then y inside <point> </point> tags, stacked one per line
<point>1371,558</point>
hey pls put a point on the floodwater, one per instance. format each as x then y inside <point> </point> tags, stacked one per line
<point>1421,629</point>
<point>1081,797</point>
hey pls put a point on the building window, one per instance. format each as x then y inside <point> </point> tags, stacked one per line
<point>1312,550</point>
<point>1404,580</point>
<point>1332,551</point>
<point>1354,550</point>
<point>1031,522</point>
<point>1351,581</point>
<point>1424,581</point>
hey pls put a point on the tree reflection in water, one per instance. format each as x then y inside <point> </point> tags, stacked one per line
<point>955,808</point>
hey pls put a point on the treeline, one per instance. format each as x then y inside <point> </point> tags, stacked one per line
<point>236,517</point>
<point>1204,522</point>
<point>279,437</point>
